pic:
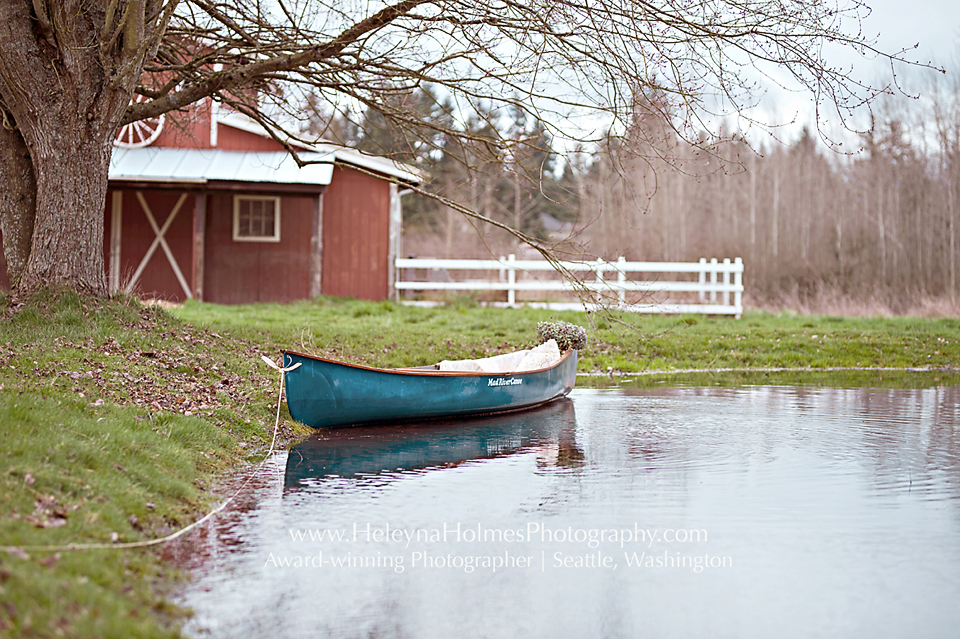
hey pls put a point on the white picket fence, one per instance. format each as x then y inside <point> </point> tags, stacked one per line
<point>718,285</point>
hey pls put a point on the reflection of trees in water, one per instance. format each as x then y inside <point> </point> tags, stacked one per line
<point>944,440</point>
<point>906,439</point>
<point>562,451</point>
<point>913,437</point>
<point>219,536</point>
<point>568,455</point>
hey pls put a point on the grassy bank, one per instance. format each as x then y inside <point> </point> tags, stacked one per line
<point>116,419</point>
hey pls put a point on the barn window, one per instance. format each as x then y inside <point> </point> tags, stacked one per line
<point>256,219</point>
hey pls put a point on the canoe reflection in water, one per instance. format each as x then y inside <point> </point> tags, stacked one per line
<point>353,452</point>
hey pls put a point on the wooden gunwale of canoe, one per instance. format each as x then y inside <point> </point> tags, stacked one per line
<point>426,371</point>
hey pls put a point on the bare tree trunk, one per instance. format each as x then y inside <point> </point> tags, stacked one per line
<point>682,248</point>
<point>517,204</point>
<point>838,246</point>
<point>489,183</point>
<point>67,246</point>
<point>953,233</point>
<point>881,236</point>
<point>668,224</point>
<point>895,273</point>
<point>17,201</point>
<point>775,222</point>
<point>448,232</point>
<point>753,203</point>
<point>67,86</point>
<point>604,203</point>
<point>808,209</point>
<point>580,181</point>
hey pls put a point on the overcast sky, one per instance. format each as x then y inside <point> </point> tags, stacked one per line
<point>934,24</point>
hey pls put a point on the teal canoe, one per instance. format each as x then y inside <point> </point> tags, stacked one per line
<point>324,393</point>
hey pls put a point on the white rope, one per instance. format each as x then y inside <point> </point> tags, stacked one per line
<point>182,531</point>
<point>276,424</point>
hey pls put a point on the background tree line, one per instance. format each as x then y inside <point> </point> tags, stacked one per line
<point>72,72</point>
<point>816,229</point>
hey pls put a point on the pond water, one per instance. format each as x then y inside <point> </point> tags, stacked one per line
<point>669,512</point>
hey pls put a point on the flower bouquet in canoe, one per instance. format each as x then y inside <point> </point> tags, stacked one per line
<point>324,393</point>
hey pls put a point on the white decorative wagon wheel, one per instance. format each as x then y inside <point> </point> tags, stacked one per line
<point>140,133</point>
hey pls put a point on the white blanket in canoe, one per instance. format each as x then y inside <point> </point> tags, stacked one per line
<point>547,354</point>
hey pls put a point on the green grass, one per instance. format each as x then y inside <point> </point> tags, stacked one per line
<point>762,340</point>
<point>388,334</point>
<point>116,420</point>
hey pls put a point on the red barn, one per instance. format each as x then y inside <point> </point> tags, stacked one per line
<point>215,209</point>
